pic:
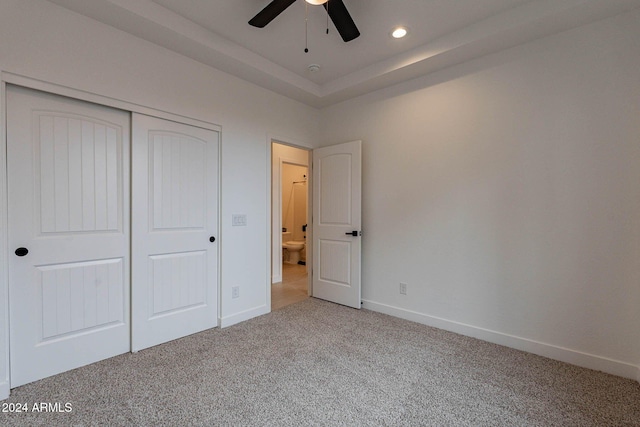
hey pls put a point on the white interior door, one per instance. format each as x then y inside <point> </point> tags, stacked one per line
<point>336,223</point>
<point>175,222</point>
<point>68,189</point>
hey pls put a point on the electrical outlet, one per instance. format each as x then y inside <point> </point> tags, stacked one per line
<point>235,292</point>
<point>403,288</point>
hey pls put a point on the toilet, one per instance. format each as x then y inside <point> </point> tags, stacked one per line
<point>293,248</point>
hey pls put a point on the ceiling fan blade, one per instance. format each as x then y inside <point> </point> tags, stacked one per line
<point>342,20</point>
<point>269,13</point>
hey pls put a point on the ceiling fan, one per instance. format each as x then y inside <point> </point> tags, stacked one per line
<point>335,8</point>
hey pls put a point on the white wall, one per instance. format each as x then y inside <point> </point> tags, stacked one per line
<point>44,41</point>
<point>506,193</point>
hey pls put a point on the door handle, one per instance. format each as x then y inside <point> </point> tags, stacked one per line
<point>22,251</point>
<point>212,239</point>
<point>352,233</point>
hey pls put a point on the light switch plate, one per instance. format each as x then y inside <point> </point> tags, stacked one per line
<point>239,220</point>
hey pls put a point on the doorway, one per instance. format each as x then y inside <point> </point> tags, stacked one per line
<point>290,225</point>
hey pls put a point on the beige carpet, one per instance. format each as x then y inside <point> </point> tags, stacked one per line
<point>319,364</point>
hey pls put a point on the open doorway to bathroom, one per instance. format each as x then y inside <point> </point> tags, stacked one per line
<point>290,228</point>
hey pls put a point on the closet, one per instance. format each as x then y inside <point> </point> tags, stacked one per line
<point>113,218</point>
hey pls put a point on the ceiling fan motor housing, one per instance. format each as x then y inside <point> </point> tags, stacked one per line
<point>336,9</point>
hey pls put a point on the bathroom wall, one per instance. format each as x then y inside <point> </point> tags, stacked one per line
<point>300,197</point>
<point>294,199</point>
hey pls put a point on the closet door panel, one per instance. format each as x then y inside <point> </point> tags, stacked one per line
<point>68,188</point>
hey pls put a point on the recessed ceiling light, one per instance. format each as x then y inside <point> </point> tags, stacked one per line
<point>316,2</point>
<point>399,32</point>
<point>313,68</point>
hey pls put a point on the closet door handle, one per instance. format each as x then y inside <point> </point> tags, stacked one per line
<point>212,239</point>
<point>22,251</point>
<point>352,233</point>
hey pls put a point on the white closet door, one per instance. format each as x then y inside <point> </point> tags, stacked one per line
<point>68,187</point>
<point>174,223</point>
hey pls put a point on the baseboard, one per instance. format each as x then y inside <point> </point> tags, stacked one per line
<point>5,390</point>
<point>598,363</point>
<point>244,315</point>
<point>276,279</point>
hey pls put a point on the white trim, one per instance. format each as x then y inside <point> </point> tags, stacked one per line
<point>103,100</point>
<point>309,249</point>
<point>276,215</point>
<point>269,231</point>
<point>220,234</point>
<point>4,245</point>
<point>245,315</point>
<point>585,360</point>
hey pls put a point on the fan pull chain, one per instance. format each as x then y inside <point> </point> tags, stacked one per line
<point>328,16</point>
<point>306,27</point>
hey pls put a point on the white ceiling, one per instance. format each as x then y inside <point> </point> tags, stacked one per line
<point>442,33</point>
<point>283,40</point>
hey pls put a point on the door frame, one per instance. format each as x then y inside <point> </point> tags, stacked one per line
<point>4,245</point>
<point>271,140</point>
<point>43,86</point>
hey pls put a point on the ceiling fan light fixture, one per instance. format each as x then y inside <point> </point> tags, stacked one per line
<point>399,32</point>
<point>336,12</point>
